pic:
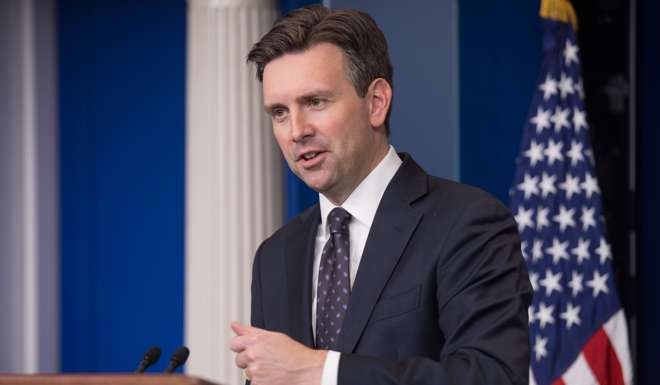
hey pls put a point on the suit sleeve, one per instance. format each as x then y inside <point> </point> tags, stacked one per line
<point>483,293</point>
<point>256,309</point>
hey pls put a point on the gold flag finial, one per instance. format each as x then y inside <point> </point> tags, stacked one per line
<point>560,10</point>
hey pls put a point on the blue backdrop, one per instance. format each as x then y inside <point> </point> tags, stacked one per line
<point>500,56</point>
<point>122,140</point>
<point>649,207</point>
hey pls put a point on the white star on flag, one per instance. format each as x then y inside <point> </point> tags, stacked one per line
<point>551,282</point>
<point>541,120</point>
<point>565,85</point>
<point>534,153</point>
<point>598,283</point>
<point>579,119</point>
<point>576,283</point>
<point>565,218</point>
<point>604,251</point>
<point>575,153</point>
<point>544,315</point>
<point>553,151</point>
<point>587,218</point>
<point>547,184</point>
<point>549,87</point>
<point>590,185</point>
<point>570,53</point>
<point>558,250</point>
<point>537,250</point>
<point>571,315</point>
<point>560,118</point>
<point>542,217</point>
<point>571,185</point>
<point>529,186</point>
<point>540,349</point>
<point>581,251</point>
<point>524,218</point>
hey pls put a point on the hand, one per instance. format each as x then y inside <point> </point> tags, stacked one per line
<point>271,358</point>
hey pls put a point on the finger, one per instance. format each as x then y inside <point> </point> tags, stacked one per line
<point>240,343</point>
<point>242,360</point>
<point>241,329</point>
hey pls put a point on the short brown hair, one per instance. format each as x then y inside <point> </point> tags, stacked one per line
<point>354,32</point>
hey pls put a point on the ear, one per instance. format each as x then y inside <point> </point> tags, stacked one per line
<point>379,97</point>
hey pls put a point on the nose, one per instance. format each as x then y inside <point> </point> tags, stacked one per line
<point>301,127</point>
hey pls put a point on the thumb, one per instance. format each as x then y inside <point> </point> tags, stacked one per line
<point>241,329</point>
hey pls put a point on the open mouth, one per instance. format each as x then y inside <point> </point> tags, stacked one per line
<point>311,159</point>
<point>309,155</point>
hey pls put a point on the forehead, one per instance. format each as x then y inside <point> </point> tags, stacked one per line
<point>321,67</point>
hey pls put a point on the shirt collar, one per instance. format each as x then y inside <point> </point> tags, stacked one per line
<point>364,200</point>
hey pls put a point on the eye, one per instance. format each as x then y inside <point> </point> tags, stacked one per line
<point>279,114</point>
<point>317,103</point>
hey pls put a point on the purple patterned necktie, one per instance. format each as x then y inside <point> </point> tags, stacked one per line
<point>334,286</point>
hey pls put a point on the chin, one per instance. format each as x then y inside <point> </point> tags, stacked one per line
<point>317,185</point>
<point>316,180</point>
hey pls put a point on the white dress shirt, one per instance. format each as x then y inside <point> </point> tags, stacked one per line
<point>362,205</point>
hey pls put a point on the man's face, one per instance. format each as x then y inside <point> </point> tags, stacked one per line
<point>321,124</point>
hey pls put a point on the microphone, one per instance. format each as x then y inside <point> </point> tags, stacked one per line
<point>151,356</point>
<point>178,358</point>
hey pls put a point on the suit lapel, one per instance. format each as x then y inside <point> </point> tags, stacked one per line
<point>299,257</point>
<point>393,225</point>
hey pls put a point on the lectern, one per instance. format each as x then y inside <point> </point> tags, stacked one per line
<point>101,379</point>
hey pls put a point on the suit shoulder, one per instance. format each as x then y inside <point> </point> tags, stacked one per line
<point>460,195</point>
<point>292,227</point>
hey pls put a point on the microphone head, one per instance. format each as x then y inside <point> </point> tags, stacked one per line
<point>150,357</point>
<point>177,359</point>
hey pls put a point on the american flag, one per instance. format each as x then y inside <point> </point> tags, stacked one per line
<point>577,326</point>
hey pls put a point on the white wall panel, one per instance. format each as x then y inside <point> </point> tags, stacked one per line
<point>28,188</point>
<point>233,177</point>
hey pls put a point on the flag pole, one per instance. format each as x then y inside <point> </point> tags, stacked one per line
<point>560,10</point>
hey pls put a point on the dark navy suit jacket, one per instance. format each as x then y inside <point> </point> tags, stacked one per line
<point>440,296</point>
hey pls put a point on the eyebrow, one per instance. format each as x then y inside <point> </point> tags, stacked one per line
<point>270,107</point>
<point>302,99</point>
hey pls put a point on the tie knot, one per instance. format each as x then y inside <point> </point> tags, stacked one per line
<point>338,220</point>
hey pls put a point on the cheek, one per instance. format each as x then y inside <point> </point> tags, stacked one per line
<point>281,139</point>
<point>351,133</point>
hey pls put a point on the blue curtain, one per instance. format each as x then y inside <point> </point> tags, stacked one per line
<point>287,6</point>
<point>122,137</point>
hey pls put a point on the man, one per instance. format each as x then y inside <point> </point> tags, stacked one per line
<point>395,277</point>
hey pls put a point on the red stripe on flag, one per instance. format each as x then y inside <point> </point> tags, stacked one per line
<point>602,359</point>
<point>559,381</point>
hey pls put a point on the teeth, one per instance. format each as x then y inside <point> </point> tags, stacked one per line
<point>309,156</point>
